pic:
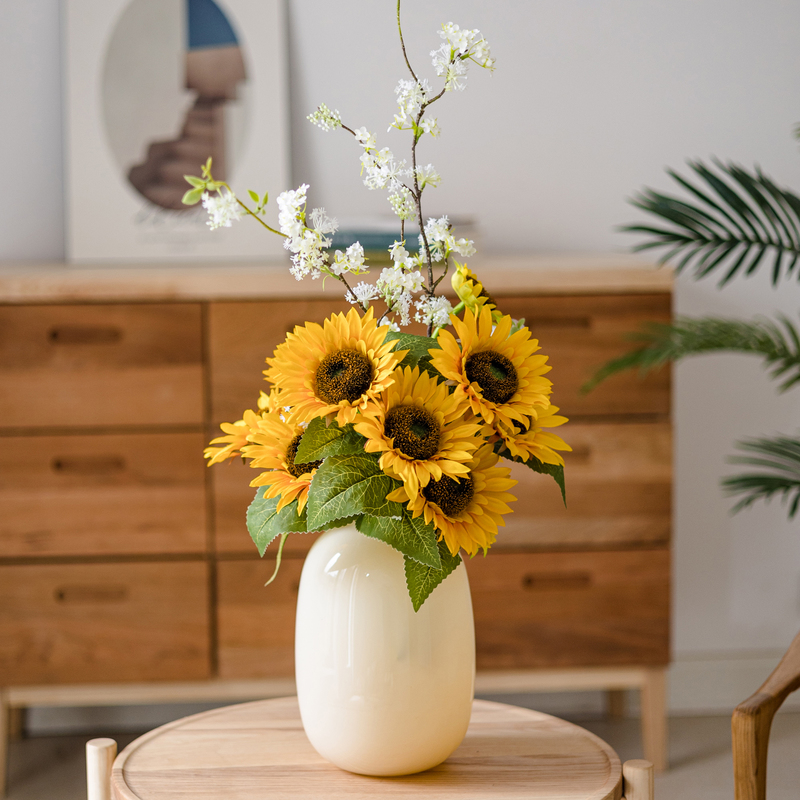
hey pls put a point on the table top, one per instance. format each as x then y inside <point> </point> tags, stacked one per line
<point>536,274</point>
<point>259,750</point>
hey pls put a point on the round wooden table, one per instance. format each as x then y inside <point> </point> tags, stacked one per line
<point>258,751</point>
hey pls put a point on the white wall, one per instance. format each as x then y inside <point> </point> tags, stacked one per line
<point>589,102</point>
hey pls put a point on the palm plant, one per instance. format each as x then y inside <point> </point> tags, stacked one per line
<point>734,223</point>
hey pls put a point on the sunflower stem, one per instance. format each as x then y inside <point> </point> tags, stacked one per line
<point>278,559</point>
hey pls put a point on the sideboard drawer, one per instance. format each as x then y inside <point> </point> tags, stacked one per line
<point>579,334</point>
<point>242,336</point>
<point>102,494</point>
<point>571,609</point>
<point>100,365</point>
<point>103,623</point>
<point>619,482</point>
<point>256,622</point>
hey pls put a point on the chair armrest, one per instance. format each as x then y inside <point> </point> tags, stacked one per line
<point>637,780</point>
<point>751,723</point>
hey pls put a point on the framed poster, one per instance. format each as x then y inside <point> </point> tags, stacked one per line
<point>153,88</point>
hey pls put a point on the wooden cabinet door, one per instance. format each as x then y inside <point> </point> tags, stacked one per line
<point>583,609</point>
<point>579,334</point>
<point>106,623</point>
<point>256,622</point>
<point>102,494</point>
<point>619,491</point>
<point>63,366</point>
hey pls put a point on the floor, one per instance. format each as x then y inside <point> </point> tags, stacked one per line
<point>52,767</point>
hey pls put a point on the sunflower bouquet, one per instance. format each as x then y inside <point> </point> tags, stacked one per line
<point>397,433</point>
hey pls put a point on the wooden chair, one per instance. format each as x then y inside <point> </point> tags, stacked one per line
<point>751,724</point>
<point>637,774</point>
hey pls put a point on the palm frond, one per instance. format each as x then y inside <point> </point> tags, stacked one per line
<point>734,220</point>
<point>778,343</point>
<point>779,460</point>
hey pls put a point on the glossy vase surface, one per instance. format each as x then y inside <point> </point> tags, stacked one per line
<point>383,690</point>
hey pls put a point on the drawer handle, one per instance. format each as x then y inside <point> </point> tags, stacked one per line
<point>88,465</point>
<point>579,455</point>
<point>562,323</point>
<point>85,334</point>
<point>91,594</point>
<point>540,581</point>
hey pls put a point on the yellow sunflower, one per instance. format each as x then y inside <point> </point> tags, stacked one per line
<point>465,512</point>
<point>499,374</point>
<point>336,368</point>
<point>471,291</point>
<point>418,427</point>
<point>524,441</point>
<point>236,433</point>
<point>272,446</point>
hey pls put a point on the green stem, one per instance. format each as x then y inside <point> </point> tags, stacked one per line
<point>255,216</point>
<point>278,559</point>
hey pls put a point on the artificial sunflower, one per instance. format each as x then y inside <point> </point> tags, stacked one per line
<point>338,368</point>
<point>524,441</point>
<point>471,291</point>
<point>236,433</point>
<point>272,446</point>
<point>467,511</point>
<point>499,374</point>
<point>419,429</point>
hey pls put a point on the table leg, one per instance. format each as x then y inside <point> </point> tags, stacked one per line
<point>654,718</point>
<point>616,703</point>
<point>5,711</point>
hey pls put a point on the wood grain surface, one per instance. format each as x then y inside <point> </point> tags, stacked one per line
<point>71,623</point>
<point>571,609</point>
<point>102,494</point>
<point>63,366</point>
<point>259,750</point>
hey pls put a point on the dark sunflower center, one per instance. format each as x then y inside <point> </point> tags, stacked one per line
<point>494,373</point>
<point>296,470</point>
<point>489,299</point>
<point>451,496</point>
<point>343,375</point>
<point>414,430</point>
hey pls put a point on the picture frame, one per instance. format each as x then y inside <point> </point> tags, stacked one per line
<point>152,88</point>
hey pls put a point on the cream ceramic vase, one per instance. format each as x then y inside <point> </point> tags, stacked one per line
<point>383,690</point>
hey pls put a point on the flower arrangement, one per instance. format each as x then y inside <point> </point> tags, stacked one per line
<point>398,433</point>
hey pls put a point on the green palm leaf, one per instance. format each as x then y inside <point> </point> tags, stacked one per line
<point>734,221</point>
<point>779,462</point>
<point>778,343</point>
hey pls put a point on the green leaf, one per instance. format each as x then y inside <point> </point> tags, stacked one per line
<point>197,183</point>
<point>320,441</point>
<point>422,579</point>
<point>347,485</point>
<point>192,197</point>
<point>265,522</point>
<point>555,471</point>
<point>412,537</point>
<point>417,347</point>
<point>253,196</point>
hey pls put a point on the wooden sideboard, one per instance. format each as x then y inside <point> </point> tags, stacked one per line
<point>123,559</point>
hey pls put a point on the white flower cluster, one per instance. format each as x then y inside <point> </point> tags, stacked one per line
<point>222,210</point>
<point>379,167</point>
<point>308,244</point>
<point>459,47</point>
<point>325,118</point>
<point>402,203</point>
<point>399,283</point>
<point>433,311</point>
<point>442,242</point>
<point>410,97</point>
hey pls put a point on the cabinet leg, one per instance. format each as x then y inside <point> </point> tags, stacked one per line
<point>16,723</point>
<point>654,718</point>
<point>5,710</point>
<point>616,703</point>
